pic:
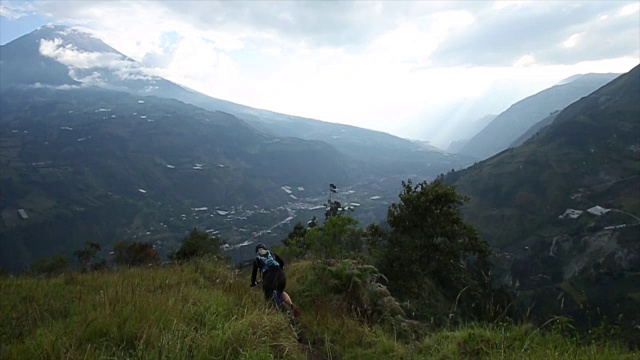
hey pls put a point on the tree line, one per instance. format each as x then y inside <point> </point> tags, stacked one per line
<point>129,253</point>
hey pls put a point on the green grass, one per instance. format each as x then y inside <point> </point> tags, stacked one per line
<point>194,311</point>
<point>206,310</point>
<point>511,342</point>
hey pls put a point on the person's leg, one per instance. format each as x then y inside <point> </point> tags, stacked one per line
<point>281,284</point>
<point>267,293</point>
<point>268,285</point>
<point>286,298</point>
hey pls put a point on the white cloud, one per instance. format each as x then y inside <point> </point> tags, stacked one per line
<point>70,56</point>
<point>84,66</point>
<point>92,78</point>
<point>56,87</point>
<point>198,64</point>
<point>572,40</point>
<point>10,13</point>
<point>630,9</point>
<point>13,11</point>
<point>526,60</point>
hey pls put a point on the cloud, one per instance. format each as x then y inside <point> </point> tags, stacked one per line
<point>543,31</point>
<point>56,87</point>
<point>442,33</point>
<point>345,24</point>
<point>88,67</point>
<point>14,11</point>
<point>70,56</point>
<point>195,63</point>
<point>314,23</point>
<point>87,78</point>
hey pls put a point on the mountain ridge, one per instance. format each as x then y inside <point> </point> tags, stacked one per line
<point>69,156</point>
<point>508,126</point>
<point>85,159</point>
<point>388,150</point>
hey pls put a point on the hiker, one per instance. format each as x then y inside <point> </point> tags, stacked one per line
<point>273,277</point>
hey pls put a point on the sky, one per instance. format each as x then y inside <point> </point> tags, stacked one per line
<point>416,69</point>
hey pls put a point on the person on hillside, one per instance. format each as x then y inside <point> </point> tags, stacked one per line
<point>273,277</point>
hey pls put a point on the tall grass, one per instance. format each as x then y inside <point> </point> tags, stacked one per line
<point>205,310</point>
<point>198,310</point>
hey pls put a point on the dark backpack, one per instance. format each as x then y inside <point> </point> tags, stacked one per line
<point>269,261</point>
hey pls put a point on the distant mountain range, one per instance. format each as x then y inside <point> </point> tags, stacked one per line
<point>92,62</point>
<point>94,164</point>
<point>514,122</point>
<point>95,148</point>
<point>563,209</point>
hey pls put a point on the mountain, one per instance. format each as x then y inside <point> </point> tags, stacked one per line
<point>521,116</point>
<point>80,58</point>
<point>563,209</point>
<point>96,148</point>
<point>95,164</point>
<point>22,64</point>
<point>61,56</point>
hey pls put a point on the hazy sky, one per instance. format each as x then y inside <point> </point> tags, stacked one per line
<point>415,69</point>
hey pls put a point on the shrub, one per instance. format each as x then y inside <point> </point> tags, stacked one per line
<point>55,265</point>
<point>132,253</point>
<point>336,238</point>
<point>357,289</point>
<point>86,255</point>
<point>294,245</point>
<point>197,244</point>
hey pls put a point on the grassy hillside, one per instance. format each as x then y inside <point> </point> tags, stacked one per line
<point>205,309</point>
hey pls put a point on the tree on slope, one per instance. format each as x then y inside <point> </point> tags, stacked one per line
<point>336,238</point>
<point>431,251</point>
<point>133,253</point>
<point>86,255</point>
<point>197,244</point>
